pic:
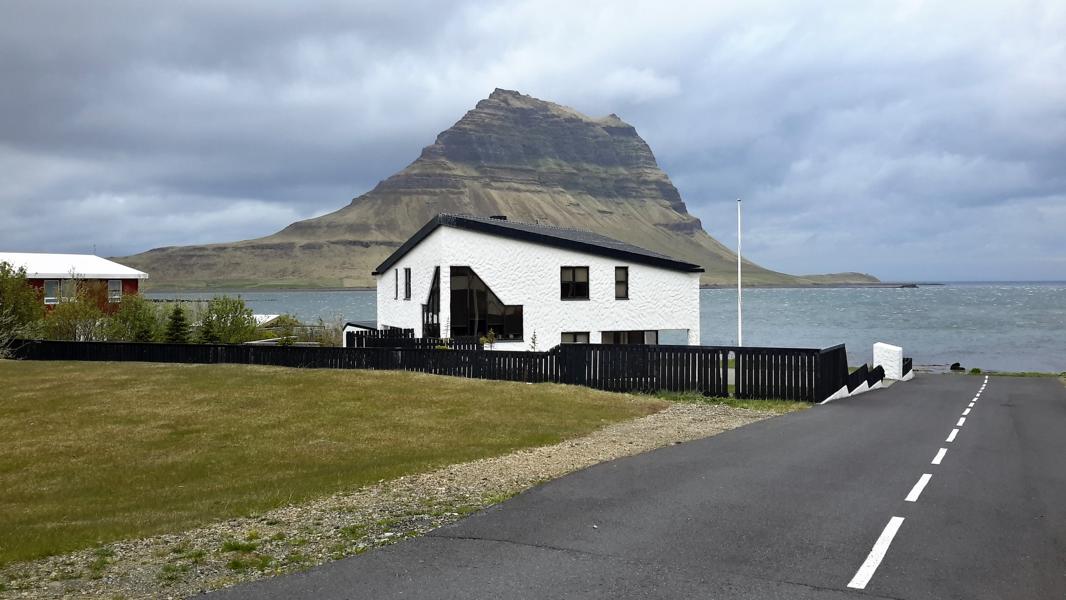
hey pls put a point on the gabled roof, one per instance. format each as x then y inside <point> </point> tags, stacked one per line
<point>61,266</point>
<point>548,235</point>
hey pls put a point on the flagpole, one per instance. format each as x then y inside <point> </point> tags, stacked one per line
<point>740,298</point>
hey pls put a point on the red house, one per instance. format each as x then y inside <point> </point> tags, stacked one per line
<point>57,276</point>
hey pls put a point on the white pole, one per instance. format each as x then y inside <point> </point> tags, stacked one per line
<point>740,298</point>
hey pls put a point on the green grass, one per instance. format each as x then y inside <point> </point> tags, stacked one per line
<point>774,406</point>
<point>94,452</point>
<point>1020,374</point>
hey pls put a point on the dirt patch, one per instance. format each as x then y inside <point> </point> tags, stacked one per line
<point>297,537</point>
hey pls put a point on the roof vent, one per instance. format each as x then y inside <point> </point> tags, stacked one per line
<point>499,217</point>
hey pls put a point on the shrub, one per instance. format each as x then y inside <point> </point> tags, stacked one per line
<point>227,321</point>
<point>136,320</point>
<point>79,318</point>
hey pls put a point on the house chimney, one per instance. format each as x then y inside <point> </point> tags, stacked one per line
<point>499,217</point>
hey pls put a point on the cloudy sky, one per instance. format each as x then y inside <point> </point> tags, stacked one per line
<point>911,140</point>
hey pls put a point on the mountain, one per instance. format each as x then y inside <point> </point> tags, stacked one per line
<point>513,155</point>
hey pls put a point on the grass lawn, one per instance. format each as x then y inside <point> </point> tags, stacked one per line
<point>95,452</point>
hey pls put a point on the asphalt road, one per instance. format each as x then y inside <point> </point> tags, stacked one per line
<point>791,507</point>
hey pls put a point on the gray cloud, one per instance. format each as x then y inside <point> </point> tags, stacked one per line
<point>911,140</point>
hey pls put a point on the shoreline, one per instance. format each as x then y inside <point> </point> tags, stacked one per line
<point>710,286</point>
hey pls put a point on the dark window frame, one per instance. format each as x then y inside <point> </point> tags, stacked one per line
<point>576,337</point>
<point>407,283</point>
<point>475,309</point>
<point>396,284</point>
<point>571,289</point>
<point>624,281</point>
<point>634,337</point>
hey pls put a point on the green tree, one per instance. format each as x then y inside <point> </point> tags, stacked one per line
<point>135,320</point>
<point>177,331</point>
<point>21,306</point>
<point>227,321</point>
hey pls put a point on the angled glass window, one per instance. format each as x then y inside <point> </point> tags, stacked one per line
<point>476,309</point>
<point>574,283</point>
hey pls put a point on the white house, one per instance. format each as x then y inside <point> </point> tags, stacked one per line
<point>462,276</point>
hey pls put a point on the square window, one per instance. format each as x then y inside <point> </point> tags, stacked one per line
<point>574,283</point>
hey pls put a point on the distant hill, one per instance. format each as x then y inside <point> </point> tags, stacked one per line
<point>513,155</point>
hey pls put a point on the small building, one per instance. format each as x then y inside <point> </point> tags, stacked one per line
<point>353,328</point>
<point>57,276</point>
<point>463,276</point>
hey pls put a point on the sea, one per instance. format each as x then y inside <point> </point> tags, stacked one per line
<point>1005,326</point>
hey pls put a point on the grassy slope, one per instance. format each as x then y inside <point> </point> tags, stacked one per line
<point>102,451</point>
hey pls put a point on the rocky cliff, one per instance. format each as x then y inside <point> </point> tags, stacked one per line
<point>514,155</point>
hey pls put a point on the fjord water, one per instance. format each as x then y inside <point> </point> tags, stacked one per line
<point>1003,326</point>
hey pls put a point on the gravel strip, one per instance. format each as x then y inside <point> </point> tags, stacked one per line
<point>295,538</point>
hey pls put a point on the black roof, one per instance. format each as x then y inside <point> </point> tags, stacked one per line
<point>549,235</point>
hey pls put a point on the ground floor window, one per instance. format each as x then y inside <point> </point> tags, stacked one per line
<point>575,337</point>
<point>649,337</point>
<point>476,309</point>
<point>114,290</point>
<point>51,291</point>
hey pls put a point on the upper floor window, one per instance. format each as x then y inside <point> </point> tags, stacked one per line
<point>407,283</point>
<point>51,291</point>
<point>621,283</point>
<point>114,290</point>
<point>575,283</point>
<point>575,337</point>
<point>396,284</point>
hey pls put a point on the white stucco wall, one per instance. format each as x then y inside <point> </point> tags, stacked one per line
<point>528,274</point>
<point>891,358</point>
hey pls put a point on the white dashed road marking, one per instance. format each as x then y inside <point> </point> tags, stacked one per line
<point>951,436</point>
<point>962,421</point>
<point>918,487</point>
<point>877,554</point>
<point>939,456</point>
<point>966,412</point>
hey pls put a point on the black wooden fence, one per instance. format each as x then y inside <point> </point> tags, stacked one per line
<point>802,374</point>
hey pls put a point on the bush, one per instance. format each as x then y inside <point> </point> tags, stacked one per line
<point>78,319</point>
<point>227,321</point>
<point>136,320</point>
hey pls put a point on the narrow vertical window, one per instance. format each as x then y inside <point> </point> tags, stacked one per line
<point>114,290</point>
<point>396,284</point>
<point>51,291</point>
<point>574,283</point>
<point>621,283</point>
<point>407,283</point>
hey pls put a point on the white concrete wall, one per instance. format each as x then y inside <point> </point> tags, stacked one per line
<point>528,274</point>
<point>891,358</point>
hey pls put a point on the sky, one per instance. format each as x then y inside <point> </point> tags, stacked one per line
<point>916,141</point>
